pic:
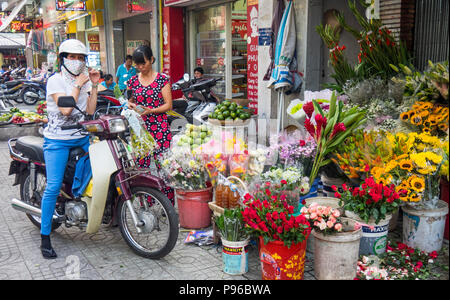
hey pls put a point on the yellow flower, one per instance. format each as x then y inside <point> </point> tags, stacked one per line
<point>443,126</point>
<point>426,105</point>
<point>416,120</point>
<point>390,165</point>
<point>406,164</point>
<point>424,113</point>
<point>404,116</point>
<point>426,130</point>
<point>418,184</point>
<point>414,197</point>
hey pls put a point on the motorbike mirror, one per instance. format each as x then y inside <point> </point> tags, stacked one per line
<point>66,101</point>
<point>186,77</point>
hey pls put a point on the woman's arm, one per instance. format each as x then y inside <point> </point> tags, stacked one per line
<point>167,96</point>
<point>94,76</point>
<point>80,81</point>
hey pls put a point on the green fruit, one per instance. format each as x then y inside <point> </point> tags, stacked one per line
<point>203,135</point>
<point>226,113</point>
<point>240,107</point>
<point>226,103</point>
<point>198,141</point>
<point>242,116</point>
<point>204,128</point>
<point>233,114</point>
<point>220,117</point>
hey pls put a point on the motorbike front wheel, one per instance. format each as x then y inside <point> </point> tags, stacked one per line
<point>159,233</point>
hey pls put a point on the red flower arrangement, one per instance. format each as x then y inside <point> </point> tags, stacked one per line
<point>370,200</point>
<point>267,214</point>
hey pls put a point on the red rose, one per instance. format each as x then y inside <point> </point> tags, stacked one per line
<point>337,195</point>
<point>283,181</point>
<point>302,143</point>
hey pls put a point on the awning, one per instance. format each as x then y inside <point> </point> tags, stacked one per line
<point>12,40</point>
<point>13,14</point>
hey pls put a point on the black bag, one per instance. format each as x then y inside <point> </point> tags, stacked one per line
<point>74,156</point>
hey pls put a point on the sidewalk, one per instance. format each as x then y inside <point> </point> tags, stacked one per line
<point>106,256</point>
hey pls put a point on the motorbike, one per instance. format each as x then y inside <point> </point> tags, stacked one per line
<point>119,193</point>
<point>107,104</point>
<point>33,91</point>
<point>200,102</point>
<point>10,91</point>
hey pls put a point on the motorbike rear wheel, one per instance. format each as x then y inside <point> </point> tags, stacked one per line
<point>26,195</point>
<point>26,99</point>
<point>160,232</point>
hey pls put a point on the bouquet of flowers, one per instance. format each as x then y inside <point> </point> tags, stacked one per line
<point>323,218</point>
<point>290,181</point>
<point>361,152</point>
<point>184,170</point>
<point>369,200</point>
<point>269,216</point>
<point>294,149</point>
<point>415,168</point>
<point>427,117</point>
<point>330,129</point>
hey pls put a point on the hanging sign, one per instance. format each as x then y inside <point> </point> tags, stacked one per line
<point>252,54</point>
<point>70,5</point>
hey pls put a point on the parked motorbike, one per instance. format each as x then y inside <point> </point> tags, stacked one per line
<point>121,193</point>
<point>33,91</point>
<point>198,94</point>
<point>11,90</point>
<point>107,104</point>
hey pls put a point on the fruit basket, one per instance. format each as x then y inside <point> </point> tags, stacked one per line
<point>229,113</point>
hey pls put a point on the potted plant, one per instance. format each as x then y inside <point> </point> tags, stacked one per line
<point>235,239</point>
<point>187,174</point>
<point>336,242</point>
<point>372,205</point>
<point>419,161</point>
<point>282,236</point>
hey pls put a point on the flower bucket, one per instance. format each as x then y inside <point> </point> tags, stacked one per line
<point>329,182</point>
<point>424,229</point>
<point>322,201</point>
<point>193,208</point>
<point>235,257</point>
<point>336,255</point>
<point>444,197</point>
<point>374,236</point>
<point>279,262</point>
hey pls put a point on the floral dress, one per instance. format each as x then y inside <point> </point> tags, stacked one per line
<point>157,124</point>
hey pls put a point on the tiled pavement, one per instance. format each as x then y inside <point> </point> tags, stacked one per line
<point>105,255</point>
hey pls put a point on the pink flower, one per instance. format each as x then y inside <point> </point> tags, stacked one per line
<point>339,127</point>
<point>338,226</point>
<point>330,224</point>
<point>336,213</point>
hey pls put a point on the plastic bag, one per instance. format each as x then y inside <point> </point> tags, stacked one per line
<point>295,110</point>
<point>142,142</point>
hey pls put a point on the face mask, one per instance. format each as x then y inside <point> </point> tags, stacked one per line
<point>75,67</point>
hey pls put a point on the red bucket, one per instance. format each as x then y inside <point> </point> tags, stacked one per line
<point>193,209</point>
<point>444,197</point>
<point>279,262</point>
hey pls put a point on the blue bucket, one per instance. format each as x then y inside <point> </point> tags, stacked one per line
<point>235,257</point>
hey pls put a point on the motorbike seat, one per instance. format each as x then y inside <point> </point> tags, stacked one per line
<point>12,83</point>
<point>31,147</point>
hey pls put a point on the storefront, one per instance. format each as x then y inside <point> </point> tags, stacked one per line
<point>218,38</point>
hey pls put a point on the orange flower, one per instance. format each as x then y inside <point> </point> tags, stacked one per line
<point>404,116</point>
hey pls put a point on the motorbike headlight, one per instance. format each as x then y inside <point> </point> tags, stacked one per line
<point>93,128</point>
<point>117,125</point>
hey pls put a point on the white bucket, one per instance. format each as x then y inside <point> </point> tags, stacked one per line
<point>323,201</point>
<point>424,229</point>
<point>235,257</point>
<point>336,255</point>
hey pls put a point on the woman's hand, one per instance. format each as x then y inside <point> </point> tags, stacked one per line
<point>81,80</point>
<point>94,76</point>
<point>131,105</point>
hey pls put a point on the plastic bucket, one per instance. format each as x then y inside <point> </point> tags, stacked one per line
<point>424,229</point>
<point>328,183</point>
<point>323,201</point>
<point>336,255</point>
<point>193,209</point>
<point>374,236</point>
<point>279,262</point>
<point>235,257</point>
<point>444,197</point>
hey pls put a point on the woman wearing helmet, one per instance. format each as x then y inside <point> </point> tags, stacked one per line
<point>73,79</point>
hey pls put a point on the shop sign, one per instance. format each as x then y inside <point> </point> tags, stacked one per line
<point>70,5</point>
<point>136,5</point>
<point>93,38</point>
<point>94,47</point>
<point>174,2</point>
<point>21,26</point>
<point>132,45</point>
<point>240,27</point>
<point>252,54</point>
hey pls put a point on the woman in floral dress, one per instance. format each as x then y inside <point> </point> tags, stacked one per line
<point>152,98</point>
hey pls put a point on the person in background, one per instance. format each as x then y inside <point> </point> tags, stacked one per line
<point>125,72</point>
<point>198,76</point>
<point>102,76</point>
<point>109,82</point>
<point>4,69</point>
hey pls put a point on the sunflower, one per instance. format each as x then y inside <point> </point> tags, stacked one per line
<point>426,105</point>
<point>406,164</point>
<point>427,123</point>
<point>443,126</point>
<point>390,165</point>
<point>404,116</point>
<point>416,120</point>
<point>414,197</point>
<point>418,184</point>
<point>426,130</point>
<point>424,113</point>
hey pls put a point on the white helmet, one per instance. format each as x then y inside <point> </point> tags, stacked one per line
<point>73,46</point>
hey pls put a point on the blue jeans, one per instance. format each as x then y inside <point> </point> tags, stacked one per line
<point>56,154</point>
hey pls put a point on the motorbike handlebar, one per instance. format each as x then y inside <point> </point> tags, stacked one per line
<point>68,127</point>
